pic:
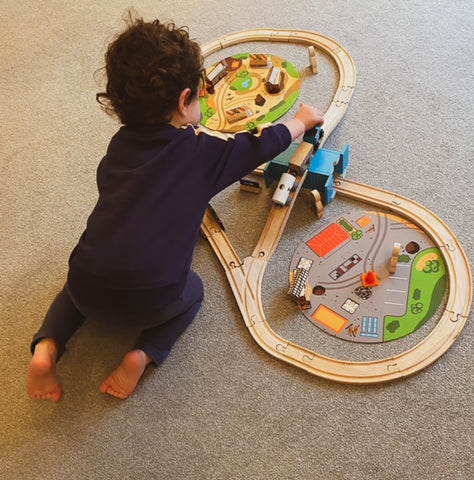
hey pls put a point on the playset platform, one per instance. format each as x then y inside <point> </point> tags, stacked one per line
<point>243,97</point>
<point>353,294</point>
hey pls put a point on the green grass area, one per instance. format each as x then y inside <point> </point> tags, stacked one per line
<point>290,68</point>
<point>243,81</point>
<point>427,287</point>
<point>206,111</point>
<point>241,56</point>
<point>276,112</point>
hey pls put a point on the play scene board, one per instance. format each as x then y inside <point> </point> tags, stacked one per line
<point>246,90</point>
<point>405,285</point>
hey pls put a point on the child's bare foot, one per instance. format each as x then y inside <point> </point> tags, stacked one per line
<point>122,381</point>
<point>42,382</point>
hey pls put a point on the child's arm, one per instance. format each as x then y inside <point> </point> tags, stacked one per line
<point>227,160</point>
<point>305,118</point>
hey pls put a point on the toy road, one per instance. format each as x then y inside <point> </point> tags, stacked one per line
<point>246,277</point>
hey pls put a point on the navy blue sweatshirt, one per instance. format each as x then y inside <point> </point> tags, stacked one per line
<point>154,186</point>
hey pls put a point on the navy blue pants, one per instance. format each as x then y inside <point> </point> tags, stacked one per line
<point>159,329</point>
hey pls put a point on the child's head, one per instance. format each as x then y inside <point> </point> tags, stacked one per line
<point>147,67</point>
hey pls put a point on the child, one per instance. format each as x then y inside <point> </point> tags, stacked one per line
<point>131,266</point>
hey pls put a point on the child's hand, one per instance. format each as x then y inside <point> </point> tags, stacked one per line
<point>310,116</point>
<point>305,118</point>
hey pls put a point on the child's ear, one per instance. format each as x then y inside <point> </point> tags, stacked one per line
<point>183,102</point>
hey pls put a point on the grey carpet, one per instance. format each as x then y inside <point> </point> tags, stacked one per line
<point>220,407</point>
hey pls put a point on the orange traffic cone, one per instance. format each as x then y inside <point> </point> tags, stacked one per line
<point>370,279</point>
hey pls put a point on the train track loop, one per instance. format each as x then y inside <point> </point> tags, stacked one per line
<point>245,277</point>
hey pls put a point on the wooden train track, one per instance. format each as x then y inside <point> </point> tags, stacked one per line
<point>246,277</point>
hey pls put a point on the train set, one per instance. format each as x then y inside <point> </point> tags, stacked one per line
<point>305,168</point>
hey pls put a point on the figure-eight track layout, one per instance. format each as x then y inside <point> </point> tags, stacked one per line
<point>246,277</point>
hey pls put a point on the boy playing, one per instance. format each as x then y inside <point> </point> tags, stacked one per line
<point>131,266</point>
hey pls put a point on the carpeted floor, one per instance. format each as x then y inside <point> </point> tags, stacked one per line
<point>220,407</point>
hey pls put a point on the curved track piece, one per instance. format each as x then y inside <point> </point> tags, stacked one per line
<point>246,277</point>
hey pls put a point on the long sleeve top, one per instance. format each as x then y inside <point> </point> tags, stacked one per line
<point>154,186</point>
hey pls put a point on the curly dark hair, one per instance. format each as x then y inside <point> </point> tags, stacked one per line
<point>147,67</point>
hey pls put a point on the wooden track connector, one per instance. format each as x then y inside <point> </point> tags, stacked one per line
<point>449,246</point>
<point>279,36</point>
<point>343,95</point>
<point>456,317</point>
<point>393,367</point>
<point>307,358</point>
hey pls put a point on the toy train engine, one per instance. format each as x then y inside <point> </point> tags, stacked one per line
<point>286,185</point>
<point>300,161</point>
<point>314,136</point>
